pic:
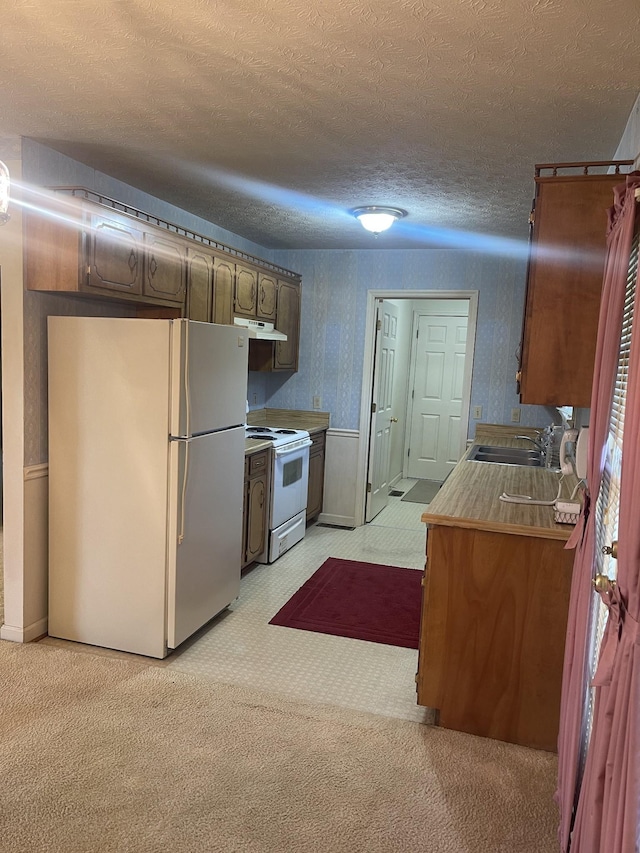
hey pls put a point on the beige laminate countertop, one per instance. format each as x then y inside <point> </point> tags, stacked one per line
<point>312,421</point>
<point>470,496</point>
<point>252,445</point>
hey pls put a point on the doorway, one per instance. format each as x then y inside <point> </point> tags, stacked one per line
<point>416,389</point>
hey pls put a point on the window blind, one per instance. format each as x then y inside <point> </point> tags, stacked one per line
<point>608,503</point>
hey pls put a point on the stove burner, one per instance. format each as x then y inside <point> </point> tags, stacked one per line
<point>260,429</point>
<point>285,431</point>
<point>262,437</point>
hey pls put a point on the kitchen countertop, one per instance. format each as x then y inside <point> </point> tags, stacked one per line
<point>469,497</point>
<point>252,445</point>
<point>312,421</point>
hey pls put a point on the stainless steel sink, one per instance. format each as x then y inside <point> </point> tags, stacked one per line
<point>506,455</point>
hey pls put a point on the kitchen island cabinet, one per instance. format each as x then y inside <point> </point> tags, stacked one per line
<point>495,604</point>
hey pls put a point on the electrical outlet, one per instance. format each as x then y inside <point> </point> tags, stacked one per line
<point>515,416</point>
<point>317,402</point>
<point>477,412</point>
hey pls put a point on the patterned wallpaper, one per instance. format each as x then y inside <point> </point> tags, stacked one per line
<point>334,298</point>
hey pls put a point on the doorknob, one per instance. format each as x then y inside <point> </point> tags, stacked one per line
<point>602,583</point>
<point>393,420</point>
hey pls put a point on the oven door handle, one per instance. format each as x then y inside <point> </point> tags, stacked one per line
<point>292,447</point>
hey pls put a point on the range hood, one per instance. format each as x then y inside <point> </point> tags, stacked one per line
<point>260,329</point>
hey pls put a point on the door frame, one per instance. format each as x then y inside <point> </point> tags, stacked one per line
<point>368,368</point>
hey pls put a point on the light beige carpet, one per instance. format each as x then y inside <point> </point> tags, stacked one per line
<point>102,754</point>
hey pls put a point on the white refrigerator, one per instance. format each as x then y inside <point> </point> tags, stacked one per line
<point>146,472</point>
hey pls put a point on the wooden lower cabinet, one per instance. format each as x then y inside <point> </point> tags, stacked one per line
<point>492,634</point>
<point>315,492</point>
<point>256,500</point>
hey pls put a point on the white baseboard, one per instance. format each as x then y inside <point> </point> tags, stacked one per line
<point>26,567</point>
<point>24,635</point>
<point>337,520</point>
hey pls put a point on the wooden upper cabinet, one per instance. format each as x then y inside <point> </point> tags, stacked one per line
<point>267,297</point>
<point>82,252</point>
<point>286,352</point>
<point>564,283</point>
<point>89,247</point>
<point>114,253</point>
<point>280,355</point>
<point>166,266</point>
<point>199,285</point>
<point>246,291</point>
<point>223,290</point>
<point>103,253</point>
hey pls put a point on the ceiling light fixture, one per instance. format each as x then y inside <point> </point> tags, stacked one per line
<point>377,219</point>
<point>4,194</point>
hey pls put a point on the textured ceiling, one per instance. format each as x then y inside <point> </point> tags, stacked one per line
<point>273,117</point>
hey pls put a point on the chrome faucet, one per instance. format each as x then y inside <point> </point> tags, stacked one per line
<point>543,443</point>
<point>540,443</point>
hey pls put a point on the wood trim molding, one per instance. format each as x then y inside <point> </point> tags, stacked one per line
<point>35,472</point>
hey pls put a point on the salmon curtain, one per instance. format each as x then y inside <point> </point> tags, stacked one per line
<point>600,813</point>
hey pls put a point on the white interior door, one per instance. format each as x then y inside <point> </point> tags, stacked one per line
<point>436,400</point>
<point>382,415</point>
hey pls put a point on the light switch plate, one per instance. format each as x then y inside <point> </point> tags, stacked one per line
<point>477,412</point>
<point>317,402</point>
<point>515,416</point>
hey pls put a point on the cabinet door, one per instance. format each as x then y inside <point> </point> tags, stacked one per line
<point>199,285</point>
<point>246,291</point>
<point>223,279</point>
<point>113,254</point>
<point>494,588</point>
<point>255,517</point>
<point>165,268</point>
<point>564,283</point>
<point>267,292</point>
<point>316,477</point>
<point>288,321</point>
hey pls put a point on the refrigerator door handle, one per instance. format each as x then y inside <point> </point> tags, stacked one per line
<point>185,385</point>
<point>183,492</point>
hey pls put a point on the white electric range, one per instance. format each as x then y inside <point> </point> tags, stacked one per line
<point>289,485</point>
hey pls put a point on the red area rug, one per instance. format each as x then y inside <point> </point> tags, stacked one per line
<point>364,601</point>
